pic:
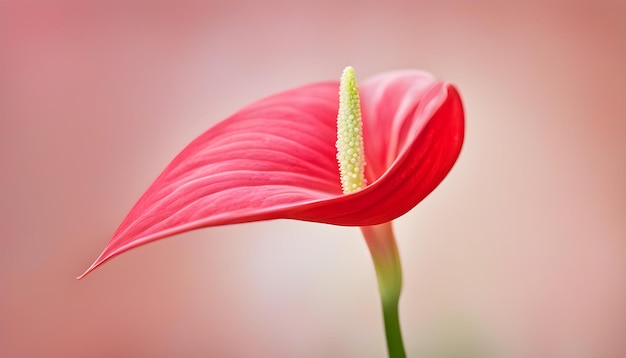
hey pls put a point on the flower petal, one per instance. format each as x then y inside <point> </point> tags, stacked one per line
<point>276,159</point>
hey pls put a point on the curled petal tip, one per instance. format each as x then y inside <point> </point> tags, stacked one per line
<point>91,268</point>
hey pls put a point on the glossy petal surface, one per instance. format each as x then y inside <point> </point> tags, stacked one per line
<point>276,159</point>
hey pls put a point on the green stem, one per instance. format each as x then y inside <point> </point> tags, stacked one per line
<point>382,245</point>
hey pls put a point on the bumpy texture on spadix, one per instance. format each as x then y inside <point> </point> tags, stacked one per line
<point>350,134</point>
<point>276,158</point>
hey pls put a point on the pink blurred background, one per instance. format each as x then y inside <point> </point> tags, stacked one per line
<point>521,252</point>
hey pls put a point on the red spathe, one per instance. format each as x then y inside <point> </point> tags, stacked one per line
<point>276,158</point>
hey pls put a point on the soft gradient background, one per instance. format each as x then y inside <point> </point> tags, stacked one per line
<point>521,252</point>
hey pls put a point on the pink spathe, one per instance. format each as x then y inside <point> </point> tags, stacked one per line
<point>275,159</point>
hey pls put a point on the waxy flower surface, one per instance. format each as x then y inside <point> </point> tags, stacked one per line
<point>277,158</point>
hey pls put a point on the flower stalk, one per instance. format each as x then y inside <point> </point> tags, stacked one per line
<point>382,246</point>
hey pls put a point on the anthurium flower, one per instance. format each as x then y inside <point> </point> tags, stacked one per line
<point>282,157</point>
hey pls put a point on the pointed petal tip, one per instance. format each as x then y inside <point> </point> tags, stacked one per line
<point>81,276</point>
<point>102,258</point>
<point>89,270</point>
